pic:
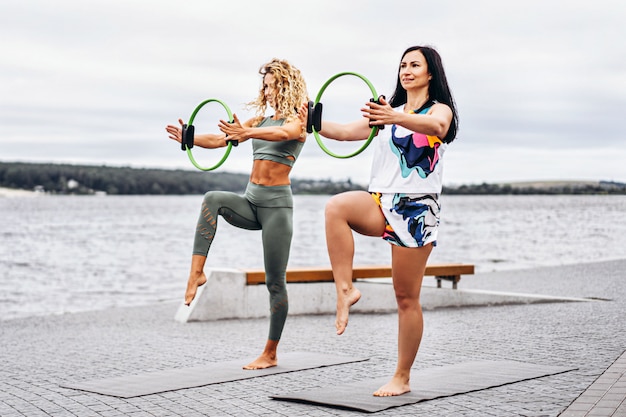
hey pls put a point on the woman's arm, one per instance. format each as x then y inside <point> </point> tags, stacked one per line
<point>205,140</point>
<point>434,123</point>
<point>357,130</point>
<point>294,129</point>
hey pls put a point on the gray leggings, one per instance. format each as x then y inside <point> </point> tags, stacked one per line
<point>269,209</point>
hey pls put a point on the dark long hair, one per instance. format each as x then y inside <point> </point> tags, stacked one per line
<point>437,88</point>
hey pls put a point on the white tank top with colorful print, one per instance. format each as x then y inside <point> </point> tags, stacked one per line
<point>407,162</point>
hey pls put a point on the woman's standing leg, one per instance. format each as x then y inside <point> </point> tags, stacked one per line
<point>408,266</point>
<point>236,210</point>
<point>345,212</point>
<point>277,232</point>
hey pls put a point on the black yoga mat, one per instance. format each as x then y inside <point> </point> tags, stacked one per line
<point>426,384</point>
<point>212,373</point>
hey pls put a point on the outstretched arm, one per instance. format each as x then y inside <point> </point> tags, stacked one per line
<point>357,130</point>
<point>205,140</point>
<point>434,123</point>
<point>294,129</point>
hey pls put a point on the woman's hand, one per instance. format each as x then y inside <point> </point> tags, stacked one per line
<point>206,140</point>
<point>175,132</point>
<point>379,114</point>
<point>233,131</point>
<point>303,116</point>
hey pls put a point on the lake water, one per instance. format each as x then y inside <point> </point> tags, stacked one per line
<point>73,253</point>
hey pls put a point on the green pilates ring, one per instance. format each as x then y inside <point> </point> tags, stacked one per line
<point>374,130</point>
<point>187,143</point>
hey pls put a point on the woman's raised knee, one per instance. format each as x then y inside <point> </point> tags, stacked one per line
<point>337,207</point>
<point>331,208</point>
<point>211,196</point>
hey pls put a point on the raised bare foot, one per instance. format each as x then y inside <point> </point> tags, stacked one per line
<point>262,362</point>
<point>344,302</point>
<point>392,388</point>
<point>192,287</point>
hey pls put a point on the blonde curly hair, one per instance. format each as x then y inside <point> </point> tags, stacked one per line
<point>290,87</point>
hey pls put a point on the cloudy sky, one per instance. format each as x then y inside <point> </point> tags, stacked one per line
<point>540,85</point>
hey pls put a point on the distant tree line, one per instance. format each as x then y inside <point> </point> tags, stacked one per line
<point>87,179</point>
<point>601,187</point>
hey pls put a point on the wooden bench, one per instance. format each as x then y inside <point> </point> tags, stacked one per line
<point>447,272</point>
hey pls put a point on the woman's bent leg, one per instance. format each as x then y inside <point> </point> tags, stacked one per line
<point>196,279</point>
<point>345,212</point>
<point>236,210</point>
<point>408,265</point>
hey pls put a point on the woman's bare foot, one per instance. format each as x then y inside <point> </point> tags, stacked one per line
<point>344,302</point>
<point>192,287</point>
<point>262,362</point>
<point>397,386</point>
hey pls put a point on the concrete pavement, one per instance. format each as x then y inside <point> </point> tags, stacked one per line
<point>40,353</point>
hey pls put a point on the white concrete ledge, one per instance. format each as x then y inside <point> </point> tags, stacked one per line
<point>226,295</point>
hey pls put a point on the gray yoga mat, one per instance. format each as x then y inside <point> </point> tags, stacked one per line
<point>212,373</point>
<point>426,384</point>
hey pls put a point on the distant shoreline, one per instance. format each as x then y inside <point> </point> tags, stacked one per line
<point>18,178</point>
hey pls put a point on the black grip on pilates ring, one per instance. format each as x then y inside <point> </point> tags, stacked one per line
<point>232,141</point>
<point>309,117</point>
<point>317,117</point>
<point>187,137</point>
<point>377,101</point>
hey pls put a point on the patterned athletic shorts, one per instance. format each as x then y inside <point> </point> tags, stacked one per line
<point>412,220</point>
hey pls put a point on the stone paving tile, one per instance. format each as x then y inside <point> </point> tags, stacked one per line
<point>606,396</point>
<point>39,354</point>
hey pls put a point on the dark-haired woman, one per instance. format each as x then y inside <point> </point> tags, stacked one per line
<point>402,202</point>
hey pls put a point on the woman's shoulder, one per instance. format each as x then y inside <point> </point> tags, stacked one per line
<point>257,121</point>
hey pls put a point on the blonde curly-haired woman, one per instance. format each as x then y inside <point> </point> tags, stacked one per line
<point>267,203</point>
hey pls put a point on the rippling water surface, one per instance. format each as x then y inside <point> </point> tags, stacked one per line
<point>73,253</point>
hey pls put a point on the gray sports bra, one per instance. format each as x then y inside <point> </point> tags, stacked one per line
<point>276,151</point>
